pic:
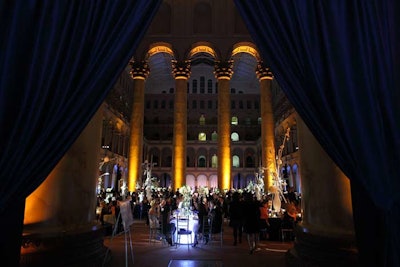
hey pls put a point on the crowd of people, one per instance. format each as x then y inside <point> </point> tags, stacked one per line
<point>248,216</point>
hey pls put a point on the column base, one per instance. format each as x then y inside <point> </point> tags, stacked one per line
<point>316,250</point>
<point>84,246</point>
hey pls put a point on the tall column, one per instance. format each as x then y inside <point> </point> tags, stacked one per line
<point>223,72</point>
<point>181,72</point>
<point>139,73</point>
<point>267,125</point>
<point>59,221</point>
<point>325,237</point>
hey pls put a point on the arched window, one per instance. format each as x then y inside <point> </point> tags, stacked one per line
<point>249,162</point>
<point>202,162</point>
<point>234,120</point>
<point>202,120</point>
<point>235,161</point>
<point>202,136</point>
<point>234,137</point>
<point>214,136</point>
<point>214,161</point>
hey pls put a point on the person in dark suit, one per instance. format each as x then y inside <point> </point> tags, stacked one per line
<point>235,211</point>
<point>251,225</point>
<point>168,227</point>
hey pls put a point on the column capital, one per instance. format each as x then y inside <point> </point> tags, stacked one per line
<point>139,70</point>
<point>223,69</point>
<point>181,69</point>
<point>263,72</point>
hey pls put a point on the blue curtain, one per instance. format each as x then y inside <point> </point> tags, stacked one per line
<point>338,64</point>
<point>58,61</point>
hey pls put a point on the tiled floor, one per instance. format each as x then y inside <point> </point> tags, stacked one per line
<point>145,254</point>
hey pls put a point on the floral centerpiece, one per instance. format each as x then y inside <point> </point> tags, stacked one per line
<point>184,206</point>
<point>203,191</point>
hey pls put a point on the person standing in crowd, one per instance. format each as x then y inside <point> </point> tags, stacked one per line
<point>264,223</point>
<point>168,227</point>
<point>251,225</point>
<point>202,212</point>
<point>235,211</point>
<point>216,216</point>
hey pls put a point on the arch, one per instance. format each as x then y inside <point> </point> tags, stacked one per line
<point>235,161</point>
<point>213,181</point>
<point>202,136</point>
<point>246,47</point>
<point>235,137</point>
<point>234,120</point>
<point>214,136</point>
<point>202,157</point>
<point>201,162</point>
<point>214,160</point>
<point>202,120</point>
<point>202,180</point>
<point>190,180</point>
<point>203,48</point>
<point>160,47</point>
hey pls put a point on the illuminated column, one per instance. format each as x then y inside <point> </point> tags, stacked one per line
<point>139,73</point>
<point>223,72</point>
<point>59,221</point>
<point>267,125</point>
<point>181,72</point>
<point>325,237</point>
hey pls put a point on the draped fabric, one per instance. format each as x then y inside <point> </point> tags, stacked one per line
<point>338,64</point>
<point>58,61</point>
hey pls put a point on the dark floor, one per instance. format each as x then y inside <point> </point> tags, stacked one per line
<point>157,254</point>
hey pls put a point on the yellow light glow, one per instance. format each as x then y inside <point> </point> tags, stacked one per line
<point>202,49</point>
<point>138,77</point>
<point>246,49</point>
<point>160,49</point>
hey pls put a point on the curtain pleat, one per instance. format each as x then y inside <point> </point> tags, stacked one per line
<point>337,62</point>
<point>58,61</point>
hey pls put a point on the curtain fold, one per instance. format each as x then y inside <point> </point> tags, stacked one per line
<point>58,61</point>
<point>338,62</point>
